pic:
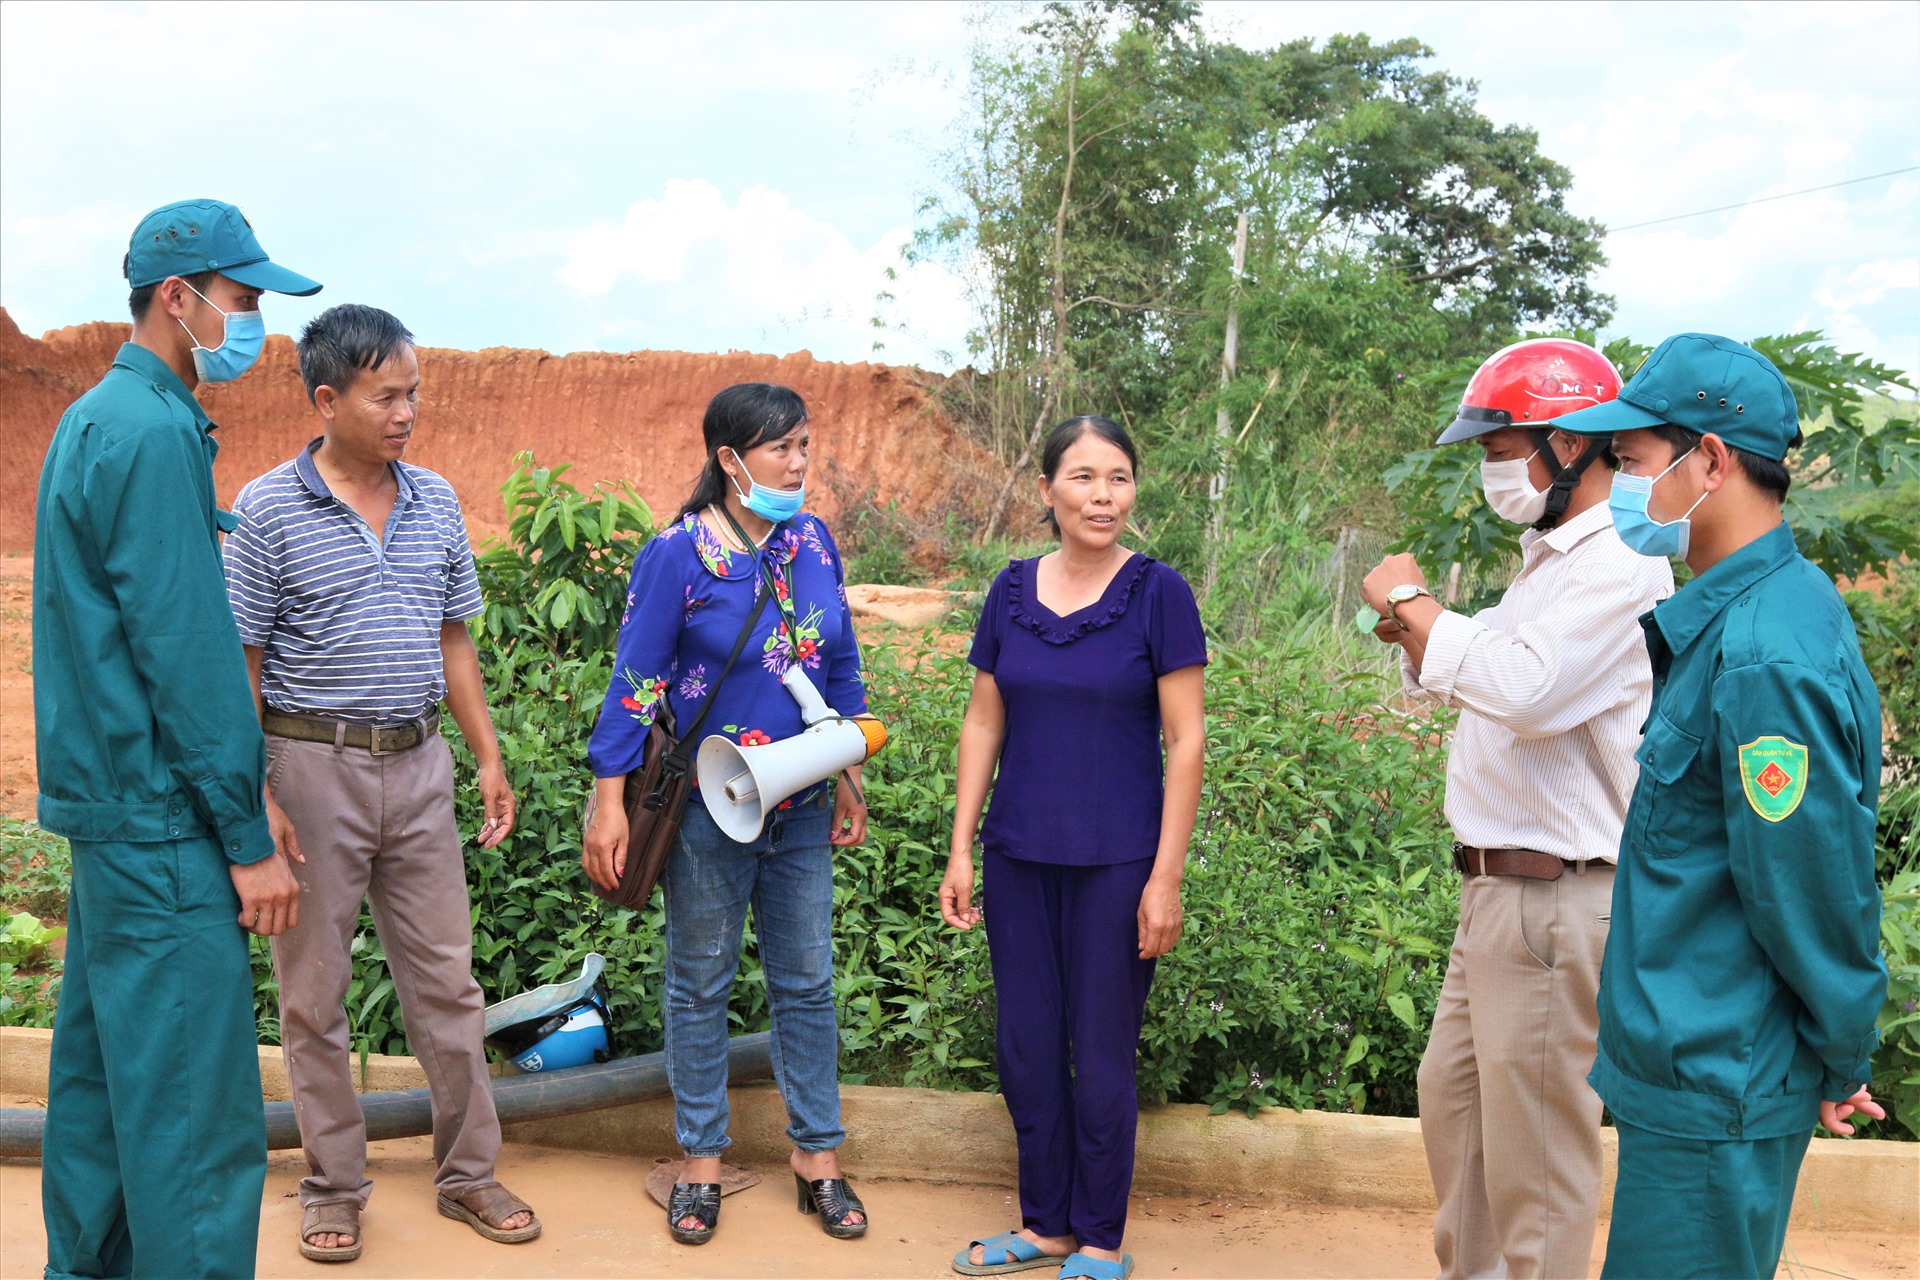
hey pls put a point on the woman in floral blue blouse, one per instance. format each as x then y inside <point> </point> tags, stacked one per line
<point>693,586</point>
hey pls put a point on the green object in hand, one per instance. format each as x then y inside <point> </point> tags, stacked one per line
<point>1366,620</point>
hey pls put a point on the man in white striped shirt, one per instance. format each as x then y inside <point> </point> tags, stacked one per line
<point>1552,684</point>
<point>351,578</point>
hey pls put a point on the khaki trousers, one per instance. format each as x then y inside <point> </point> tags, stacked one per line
<point>1511,1126</point>
<point>379,827</point>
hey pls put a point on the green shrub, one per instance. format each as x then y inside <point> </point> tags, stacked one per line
<point>1896,1064</point>
<point>35,868</point>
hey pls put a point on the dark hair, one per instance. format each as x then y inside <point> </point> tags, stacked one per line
<point>140,301</point>
<point>1767,475</point>
<point>342,340</point>
<point>741,417</point>
<point>1065,435</point>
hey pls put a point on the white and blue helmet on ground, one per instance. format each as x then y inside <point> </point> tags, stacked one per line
<point>560,1025</point>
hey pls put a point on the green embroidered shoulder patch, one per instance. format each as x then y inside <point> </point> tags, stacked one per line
<point>1773,773</point>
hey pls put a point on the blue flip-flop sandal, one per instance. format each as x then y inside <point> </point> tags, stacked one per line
<point>1080,1265</point>
<point>1013,1251</point>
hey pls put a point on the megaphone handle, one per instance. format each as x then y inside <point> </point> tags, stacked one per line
<point>846,775</point>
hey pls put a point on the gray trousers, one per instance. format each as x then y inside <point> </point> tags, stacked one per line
<point>380,828</point>
<point>1511,1126</point>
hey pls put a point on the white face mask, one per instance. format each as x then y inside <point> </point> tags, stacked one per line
<point>1510,490</point>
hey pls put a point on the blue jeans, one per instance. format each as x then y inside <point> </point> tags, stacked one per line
<point>708,882</point>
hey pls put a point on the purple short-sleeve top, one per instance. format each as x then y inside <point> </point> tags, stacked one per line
<point>1081,778</point>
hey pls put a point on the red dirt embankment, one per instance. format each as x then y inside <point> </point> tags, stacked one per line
<point>633,417</point>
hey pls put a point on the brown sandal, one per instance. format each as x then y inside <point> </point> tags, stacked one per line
<point>485,1207</point>
<point>337,1217</point>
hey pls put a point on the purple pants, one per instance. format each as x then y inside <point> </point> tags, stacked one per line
<point>1071,987</point>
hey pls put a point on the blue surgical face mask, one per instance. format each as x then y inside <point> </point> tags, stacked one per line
<point>769,504</point>
<point>245,334</point>
<point>1640,531</point>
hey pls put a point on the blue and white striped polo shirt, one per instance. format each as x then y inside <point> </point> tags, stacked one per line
<point>350,623</point>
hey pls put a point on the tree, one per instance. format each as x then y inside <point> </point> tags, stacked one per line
<point>1107,150</point>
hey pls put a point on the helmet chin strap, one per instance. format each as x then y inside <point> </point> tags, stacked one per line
<point>1567,478</point>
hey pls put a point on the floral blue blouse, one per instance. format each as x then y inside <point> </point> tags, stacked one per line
<point>689,596</point>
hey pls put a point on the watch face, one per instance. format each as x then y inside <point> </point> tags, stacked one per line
<point>1403,593</point>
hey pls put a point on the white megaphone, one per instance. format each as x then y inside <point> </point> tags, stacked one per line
<point>742,785</point>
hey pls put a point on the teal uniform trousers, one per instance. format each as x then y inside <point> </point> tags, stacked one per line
<point>1742,974</point>
<point>154,1127</point>
<point>152,764</point>
<point>1701,1210</point>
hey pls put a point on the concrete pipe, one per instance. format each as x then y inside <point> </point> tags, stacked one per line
<point>407,1113</point>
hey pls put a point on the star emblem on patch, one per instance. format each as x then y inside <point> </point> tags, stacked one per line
<point>1773,774</point>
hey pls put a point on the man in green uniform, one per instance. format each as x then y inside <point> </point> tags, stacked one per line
<point>152,764</point>
<point>1742,974</point>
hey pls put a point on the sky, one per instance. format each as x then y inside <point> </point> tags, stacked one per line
<point>709,177</point>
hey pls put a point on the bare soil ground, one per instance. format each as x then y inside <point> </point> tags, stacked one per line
<point>599,1222</point>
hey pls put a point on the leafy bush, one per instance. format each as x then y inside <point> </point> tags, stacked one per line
<point>35,869</point>
<point>1896,1064</point>
<point>25,941</point>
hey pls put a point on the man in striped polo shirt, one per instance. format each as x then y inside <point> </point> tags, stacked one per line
<point>351,579</point>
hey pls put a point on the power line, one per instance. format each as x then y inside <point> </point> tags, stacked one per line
<point>1785,195</point>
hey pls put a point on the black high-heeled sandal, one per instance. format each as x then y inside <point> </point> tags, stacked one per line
<point>699,1201</point>
<point>833,1199</point>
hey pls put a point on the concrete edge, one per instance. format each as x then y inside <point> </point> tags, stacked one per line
<point>1279,1156</point>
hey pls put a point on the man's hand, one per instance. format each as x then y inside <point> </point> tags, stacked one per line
<point>269,895</point>
<point>1833,1115</point>
<point>1391,572</point>
<point>286,841</point>
<point>497,796</point>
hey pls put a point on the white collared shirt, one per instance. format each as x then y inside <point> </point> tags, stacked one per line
<point>1552,685</point>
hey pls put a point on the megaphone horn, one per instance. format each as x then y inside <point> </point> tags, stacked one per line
<point>742,785</point>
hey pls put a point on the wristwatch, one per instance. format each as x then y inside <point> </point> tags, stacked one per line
<point>1401,594</point>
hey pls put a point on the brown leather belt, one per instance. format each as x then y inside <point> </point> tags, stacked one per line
<point>1528,864</point>
<point>377,739</point>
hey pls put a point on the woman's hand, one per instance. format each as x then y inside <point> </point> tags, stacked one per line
<point>956,893</point>
<point>1160,917</point>
<point>603,853</point>
<point>849,816</point>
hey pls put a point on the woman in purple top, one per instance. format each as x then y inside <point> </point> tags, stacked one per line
<point>693,587</point>
<point>1090,661</point>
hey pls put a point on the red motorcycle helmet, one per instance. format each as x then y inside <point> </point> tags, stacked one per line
<point>1529,382</point>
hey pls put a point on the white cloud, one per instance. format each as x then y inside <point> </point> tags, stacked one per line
<point>762,262</point>
<point>478,167</point>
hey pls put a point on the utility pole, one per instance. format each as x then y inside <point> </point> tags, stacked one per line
<point>1229,367</point>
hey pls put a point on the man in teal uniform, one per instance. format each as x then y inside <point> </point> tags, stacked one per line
<point>152,764</point>
<point>1742,974</point>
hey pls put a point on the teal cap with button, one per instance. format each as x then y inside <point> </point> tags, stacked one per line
<point>190,236</point>
<point>1707,384</point>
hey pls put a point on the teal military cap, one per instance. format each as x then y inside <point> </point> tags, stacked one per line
<point>1707,384</point>
<point>191,236</point>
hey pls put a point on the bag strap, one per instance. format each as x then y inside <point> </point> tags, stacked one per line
<point>683,750</point>
<point>766,575</point>
<point>793,628</point>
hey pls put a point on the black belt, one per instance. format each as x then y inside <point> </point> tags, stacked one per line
<point>378,739</point>
<point>1528,864</point>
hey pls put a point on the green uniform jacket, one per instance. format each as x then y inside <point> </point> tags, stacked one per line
<point>1743,972</point>
<point>143,714</point>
